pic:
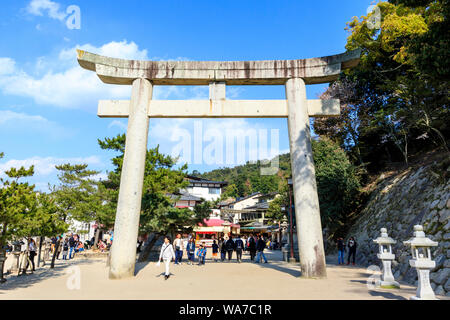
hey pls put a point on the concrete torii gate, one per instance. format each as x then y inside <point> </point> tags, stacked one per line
<point>143,75</point>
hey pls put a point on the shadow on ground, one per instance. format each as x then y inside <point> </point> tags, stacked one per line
<point>387,295</point>
<point>23,281</point>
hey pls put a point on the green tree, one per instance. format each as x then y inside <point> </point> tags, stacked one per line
<point>278,207</point>
<point>76,197</point>
<point>23,212</point>
<point>395,102</point>
<point>161,180</point>
<point>230,191</point>
<point>338,185</point>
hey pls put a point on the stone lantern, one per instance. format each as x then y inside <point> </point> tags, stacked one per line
<point>386,256</point>
<point>2,262</point>
<point>283,226</point>
<point>15,254</point>
<point>226,229</point>
<point>421,260</point>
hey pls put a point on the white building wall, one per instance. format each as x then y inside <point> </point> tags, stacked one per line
<point>246,203</point>
<point>77,226</point>
<point>203,192</point>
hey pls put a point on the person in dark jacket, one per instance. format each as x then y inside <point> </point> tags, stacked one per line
<point>260,246</point>
<point>251,247</point>
<point>223,249</point>
<point>71,246</point>
<point>239,246</point>
<point>190,249</point>
<point>229,245</point>
<point>341,250</point>
<point>215,250</point>
<point>351,250</point>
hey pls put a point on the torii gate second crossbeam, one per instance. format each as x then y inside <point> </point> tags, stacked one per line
<point>143,75</point>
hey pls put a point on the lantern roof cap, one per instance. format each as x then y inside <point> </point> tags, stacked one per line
<point>384,238</point>
<point>419,239</point>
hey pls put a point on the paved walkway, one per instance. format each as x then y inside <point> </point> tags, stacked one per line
<point>215,280</point>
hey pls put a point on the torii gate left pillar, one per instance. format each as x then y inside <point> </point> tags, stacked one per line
<point>142,75</point>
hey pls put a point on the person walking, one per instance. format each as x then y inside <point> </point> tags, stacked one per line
<point>341,250</point>
<point>167,254</point>
<point>215,250</point>
<point>351,250</point>
<point>260,246</point>
<point>65,249</point>
<point>190,249</point>
<point>223,249</point>
<point>252,247</point>
<point>32,252</point>
<point>71,246</point>
<point>239,245</point>
<point>178,244</point>
<point>229,245</point>
<point>60,246</point>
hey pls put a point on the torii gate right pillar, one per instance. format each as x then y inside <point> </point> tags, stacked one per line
<point>307,211</point>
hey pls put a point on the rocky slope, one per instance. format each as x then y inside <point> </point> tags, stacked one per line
<point>415,196</point>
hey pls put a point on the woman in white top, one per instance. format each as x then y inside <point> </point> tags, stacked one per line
<point>32,249</point>
<point>167,255</point>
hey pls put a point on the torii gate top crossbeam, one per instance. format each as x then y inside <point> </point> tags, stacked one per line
<point>273,72</point>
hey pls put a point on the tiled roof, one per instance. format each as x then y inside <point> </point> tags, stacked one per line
<point>185,197</point>
<point>246,197</point>
<point>201,180</point>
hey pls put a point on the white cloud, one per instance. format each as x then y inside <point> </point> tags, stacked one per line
<point>11,122</point>
<point>46,166</point>
<point>72,87</point>
<point>119,124</point>
<point>7,116</point>
<point>7,66</point>
<point>59,81</point>
<point>52,9</point>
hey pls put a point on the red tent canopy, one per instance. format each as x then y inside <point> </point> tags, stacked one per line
<point>216,223</point>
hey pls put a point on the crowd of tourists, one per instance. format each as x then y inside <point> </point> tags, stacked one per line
<point>174,251</point>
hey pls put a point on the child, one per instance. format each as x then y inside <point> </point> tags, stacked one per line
<point>65,249</point>
<point>201,253</point>
<point>215,250</point>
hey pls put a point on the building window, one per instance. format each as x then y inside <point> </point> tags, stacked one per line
<point>213,190</point>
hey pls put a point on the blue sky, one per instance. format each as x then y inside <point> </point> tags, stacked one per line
<point>48,103</point>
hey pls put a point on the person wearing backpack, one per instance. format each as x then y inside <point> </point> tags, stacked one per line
<point>65,249</point>
<point>251,245</point>
<point>239,245</point>
<point>260,246</point>
<point>167,254</point>
<point>190,249</point>
<point>229,245</point>
<point>223,249</point>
